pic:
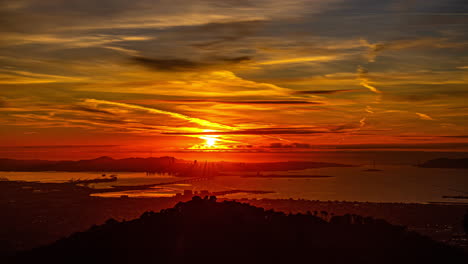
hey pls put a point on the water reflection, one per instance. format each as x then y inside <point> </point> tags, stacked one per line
<point>393,184</point>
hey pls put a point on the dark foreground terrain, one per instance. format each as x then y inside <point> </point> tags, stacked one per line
<point>207,231</point>
<point>446,163</point>
<point>38,214</point>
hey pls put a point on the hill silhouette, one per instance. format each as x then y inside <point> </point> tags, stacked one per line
<point>99,164</point>
<point>206,231</point>
<point>166,164</point>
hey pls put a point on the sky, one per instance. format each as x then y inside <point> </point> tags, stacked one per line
<point>125,76</point>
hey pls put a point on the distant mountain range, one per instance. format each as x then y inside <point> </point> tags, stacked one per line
<point>162,164</point>
<point>446,163</point>
<point>105,164</point>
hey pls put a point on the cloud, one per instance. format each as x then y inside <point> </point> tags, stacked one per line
<point>326,91</point>
<point>235,102</point>
<point>196,120</point>
<point>432,136</point>
<point>288,146</point>
<point>398,146</point>
<point>363,77</point>
<point>26,77</point>
<point>68,41</point>
<point>187,65</point>
<point>51,15</point>
<point>459,136</point>
<point>408,44</point>
<point>424,116</point>
<point>58,146</point>
<point>125,51</point>
<point>169,64</point>
<point>235,59</point>
<point>269,102</point>
<point>90,110</point>
<point>260,131</point>
<point>201,84</point>
<point>416,97</point>
<point>126,122</point>
<point>362,122</point>
<point>298,60</point>
<point>213,35</point>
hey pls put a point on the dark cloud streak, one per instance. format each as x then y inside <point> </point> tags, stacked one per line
<point>400,146</point>
<point>91,110</point>
<point>57,146</point>
<point>271,131</point>
<point>187,64</point>
<point>3,102</point>
<point>326,91</point>
<point>287,146</point>
<point>245,102</point>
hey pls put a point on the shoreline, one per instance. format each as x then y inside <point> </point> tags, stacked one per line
<point>28,214</point>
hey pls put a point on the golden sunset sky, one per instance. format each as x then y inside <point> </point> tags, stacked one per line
<point>236,75</point>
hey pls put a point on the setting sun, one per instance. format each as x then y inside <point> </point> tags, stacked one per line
<point>210,141</point>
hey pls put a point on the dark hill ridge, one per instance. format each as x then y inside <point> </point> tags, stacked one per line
<point>161,165</point>
<point>205,231</point>
<point>99,164</point>
<point>446,163</point>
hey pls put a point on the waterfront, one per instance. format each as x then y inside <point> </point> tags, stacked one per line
<point>395,183</point>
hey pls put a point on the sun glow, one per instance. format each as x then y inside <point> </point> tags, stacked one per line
<point>210,141</point>
<point>215,143</point>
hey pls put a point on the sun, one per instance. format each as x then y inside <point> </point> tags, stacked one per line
<point>210,141</point>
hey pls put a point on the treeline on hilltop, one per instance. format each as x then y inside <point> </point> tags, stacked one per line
<point>206,231</point>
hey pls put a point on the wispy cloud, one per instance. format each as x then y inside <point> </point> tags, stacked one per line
<point>70,41</point>
<point>186,64</point>
<point>362,76</point>
<point>424,116</point>
<point>326,91</point>
<point>288,146</point>
<point>261,131</point>
<point>25,77</point>
<point>195,120</point>
<point>234,102</point>
<point>409,44</point>
<point>57,146</point>
<point>298,60</point>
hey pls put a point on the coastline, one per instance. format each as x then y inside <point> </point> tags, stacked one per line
<point>29,215</point>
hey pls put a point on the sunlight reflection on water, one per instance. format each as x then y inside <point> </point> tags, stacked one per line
<point>392,184</point>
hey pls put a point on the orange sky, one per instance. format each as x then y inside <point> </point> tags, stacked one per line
<point>256,76</point>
